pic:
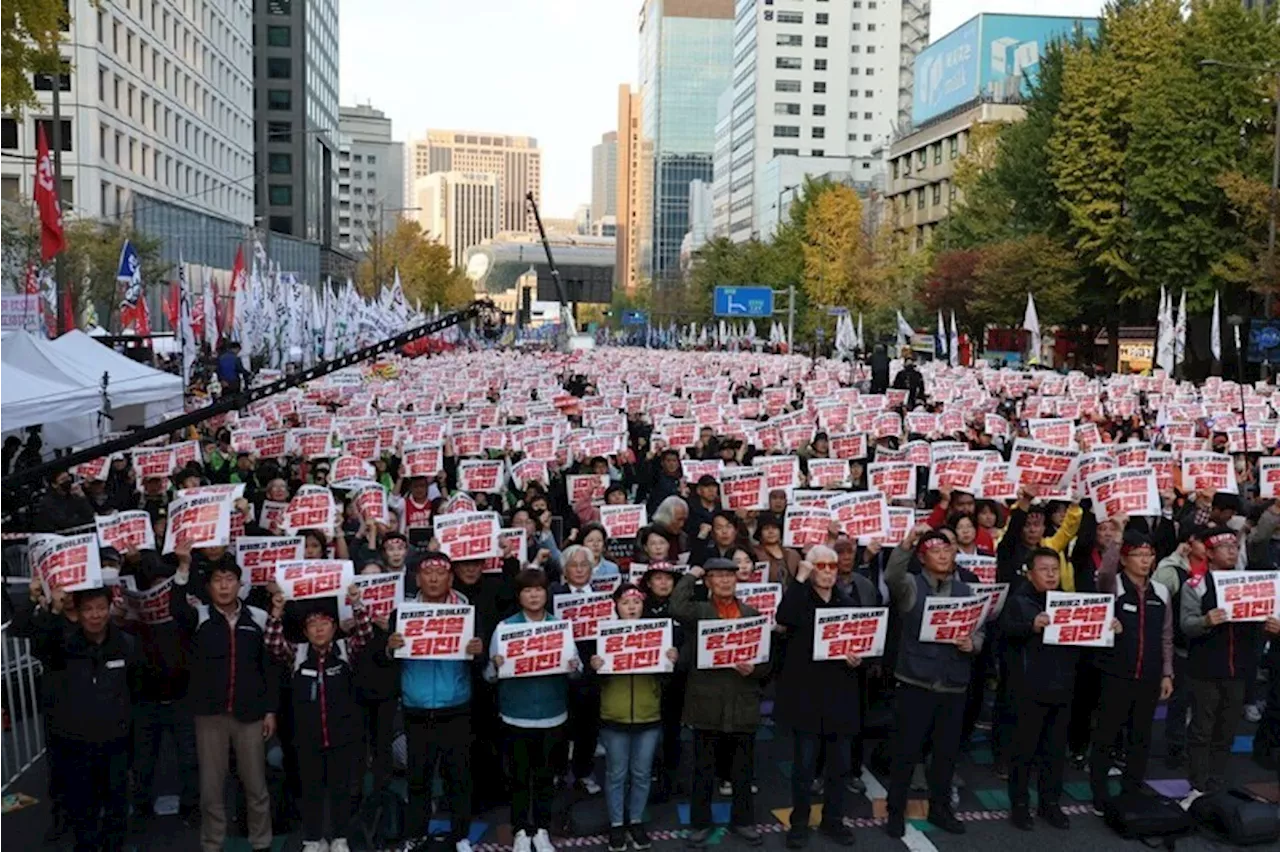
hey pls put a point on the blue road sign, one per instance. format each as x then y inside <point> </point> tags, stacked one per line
<point>635,317</point>
<point>744,302</point>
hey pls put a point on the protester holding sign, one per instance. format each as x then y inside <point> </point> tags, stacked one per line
<point>1134,673</point>
<point>534,710</point>
<point>722,705</point>
<point>584,691</point>
<point>658,582</point>
<point>821,701</point>
<point>630,717</point>
<point>1222,654</point>
<point>933,678</point>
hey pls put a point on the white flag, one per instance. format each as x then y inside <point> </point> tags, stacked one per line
<point>210,315</point>
<point>862,341</point>
<point>1164,334</point>
<point>904,330</point>
<point>1031,322</point>
<point>942,335</point>
<point>186,333</point>
<point>954,343</point>
<point>1215,330</point>
<point>1180,331</point>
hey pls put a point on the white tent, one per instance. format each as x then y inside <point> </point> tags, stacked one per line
<point>59,385</point>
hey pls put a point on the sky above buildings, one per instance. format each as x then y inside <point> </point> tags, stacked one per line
<point>543,68</point>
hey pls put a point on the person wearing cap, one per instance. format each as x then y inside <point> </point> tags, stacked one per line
<point>932,678</point>
<point>233,693</point>
<point>1189,561</point>
<point>1137,670</point>
<point>630,727</point>
<point>93,672</point>
<point>721,705</point>
<point>304,639</point>
<point>1222,656</point>
<point>436,700</point>
<point>820,701</point>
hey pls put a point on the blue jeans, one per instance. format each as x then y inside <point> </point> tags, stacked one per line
<point>628,754</point>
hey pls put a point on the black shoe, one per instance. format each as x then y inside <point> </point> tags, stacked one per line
<point>1021,818</point>
<point>797,836</point>
<point>837,832</point>
<point>1099,806</point>
<point>699,838</point>
<point>944,818</point>
<point>639,837</point>
<point>617,839</point>
<point>1053,815</point>
<point>896,826</point>
<point>748,834</point>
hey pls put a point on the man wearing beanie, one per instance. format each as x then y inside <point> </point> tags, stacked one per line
<point>933,678</point>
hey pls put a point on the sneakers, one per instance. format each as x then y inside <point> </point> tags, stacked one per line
<point>1098,807</point>
<point>339,844</point>
<point>797,836</point>
<point>617,839</point>
<point>1021,818</point>
<point>589,786</point>
<point>856,785</point>
<point>816,787</point>
<point>1190,799</point>
<point>748,834</point>
<point>463,845</point>
<point>521,842</point>
<point>314,846</point>
<point>639,836</point>
<point>896,826</point>
<point>944,818</point>
<point>699,839</point>
<point>726,788</point>
<point>837,832</point>
<point>1252,713</point>
<point>1053,815</point>
<point>542,841</point>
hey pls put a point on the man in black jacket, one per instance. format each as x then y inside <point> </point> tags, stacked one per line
<point>63,507</point>
<point>233,694</point>
<point>95,671</point>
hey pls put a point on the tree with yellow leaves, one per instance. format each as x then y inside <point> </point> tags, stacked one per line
<point>836,253</point>
<point>426,270</point>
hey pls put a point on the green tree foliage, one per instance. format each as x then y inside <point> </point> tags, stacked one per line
<point>951,285</point>
<point>1008,270</point>
<point>426,268</point>
<point>30,34</point>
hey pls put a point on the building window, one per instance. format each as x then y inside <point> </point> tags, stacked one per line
<point>866,137</point>
<point>280,194</point>
<point>855,49</point>
<point>280,164</point>
<point>821,19</point>
<point>866,116</point>
<point>790,62</point>
<point>281,224</point>
<point>791,17</point>
<point>820,41</point>
<point>920,199</point>
<point>278,36</point>
<point>372,159</point>
<point>819,65</point>
<point>8,134</point>
<point>786,109</point>
<point>937,194</point>
<point>64,126</point>
<point>870,71</point>
<point>893,166</point>
<point>790,40</point>
<point>853,72</point>
<point>871,48</point>
<point>786,152</point>
<point>868,93</point>
<point>819,109</point>
<point>857,27</point>
<point>819,88</point>
<point>937,153</point>
<point>819,133</point>
<point>954,145</point>
<point>279,67</point>
<point>279,7</point>
<point>279,99</point>
<point>786,85</point>
<point>818,152</point>
<point>786,130</point>
<point>279,131</point>
<point>44,82</point>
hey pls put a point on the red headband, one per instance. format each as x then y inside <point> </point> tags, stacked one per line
<point>434,563</point>
<point>631,593</point>
<point>933,543</point>
<point>1126,549</point>
<point>1220,538</point>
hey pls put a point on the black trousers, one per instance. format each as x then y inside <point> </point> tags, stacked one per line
<point>924,717</point>
<point>834,751</point>
<point>583,731</point>
<point>977,692</point>
<point>489,785</point>
<point>445,738</point>
<point>532,782</point>
<point>1040,740</point>
<point>1084,703</point>
<point>742,747</point>
<point>151,719</point>
<point>1122,702</point>
<point>1215,714</point>
<point>672,710</point>
<point>96,791</point>
<point>326,780</point>
<point>379,731</point>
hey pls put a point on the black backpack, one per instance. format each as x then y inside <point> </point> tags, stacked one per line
<point>1137,815</point>
<point>1238,817</point>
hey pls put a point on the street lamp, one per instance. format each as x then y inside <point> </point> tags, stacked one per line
<point>1275,167</point>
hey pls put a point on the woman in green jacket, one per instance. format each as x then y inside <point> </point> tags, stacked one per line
<point>630,727</point>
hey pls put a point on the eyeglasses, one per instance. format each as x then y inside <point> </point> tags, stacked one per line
<point>824,566</point>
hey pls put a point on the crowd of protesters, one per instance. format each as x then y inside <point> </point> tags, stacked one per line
<point>238,669</point>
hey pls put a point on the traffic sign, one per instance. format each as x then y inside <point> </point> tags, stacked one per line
<point>755,302</point>
<point>635,317</point>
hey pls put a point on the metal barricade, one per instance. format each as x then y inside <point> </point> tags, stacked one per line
<point>23,737</point>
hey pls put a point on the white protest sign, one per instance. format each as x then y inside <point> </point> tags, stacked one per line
<point>623,521</point>
<point>534,649</point>
<point>743,488</point>
<point>309,579</point>
<point>434,631</point>
<point>948,620</point>
<point>380,593</point>
<point>468,535</point>
<point>804,527</point>
<point>1077,618</point>
<point>1126,490</point>
<point>861,513</point>
<point>69,562</point>
<point>1204,471</point>
<point>762,597</point>
<point>125,530</point>
<point>258,556</point>
<point>150,606</point>
<point>635,646</point>
<point>998,592</point>
<point>841,631</point>
<point>311,508</point>
<point>477,476</point>
<point>724,643</point>
<point>204,520</point>
<point>1247,595</point>
<point>584,611</point>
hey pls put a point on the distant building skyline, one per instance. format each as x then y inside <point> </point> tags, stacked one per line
<point>515,161</point>
<point>370,176</point>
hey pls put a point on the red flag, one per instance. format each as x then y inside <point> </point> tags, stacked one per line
<point>52,239</point>
<point>238,282</point>
<point>142,318</point>
<point>169,301</point>
<point>33,281</point>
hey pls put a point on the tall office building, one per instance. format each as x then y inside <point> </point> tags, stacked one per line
<point>459,209</point>
<point>516,161</point>
<point>633,189</point>
<point>370,177</point>
<point>604,177</point>
<point>822,81</point>
<point>686,62</point>
<point>156,124</point>
<point>296,118</point>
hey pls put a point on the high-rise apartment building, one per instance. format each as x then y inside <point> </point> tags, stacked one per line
<point>296,118</point>
<point>686,62</point>
<point>634,188</point>
<point>459,209</point>
<point>156,123</point>
<point>813,80</point>
<point>604,177</point>
<point>370,177</point>
<point>516,161</point>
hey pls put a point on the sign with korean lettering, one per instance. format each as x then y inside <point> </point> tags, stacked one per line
<point>861,513</point>
<point>998,592</point>
<point>1042,465</point>
<point>152,463</point>
<point>1247,595</point>
<point>843,631</point>
<point>311,508</point>
<point>481,477</point>
<point>529,470</point>
<point>427,460</point>
<point>149,606</point>
<point>309,579</point>
<point>1132,454</point>
<point>1055,431</point>
<point>762,597</point>
<point>271,445</point>
<point>780,472</point>
<point>997,481</point>
<point>203,520</point>
<point>948,620</point>
<point>586,489</point>
<point>695,469</point>
<point>584,611</point>
<point>258,556</point>
<point>310,443</point>
<point>956,470</point>
<point>829,473</point>
<point>607,584</point>
<point>351,469</point>
<point>623,521</point>
<point>635,646</point>
<point>273,515</point>
<point>68,562</point>
<point>1269,477</point>
<point>533,649</point>
<point>434,631</point>
<point>743,488</point>
<point>805,527</point>
<point>983,566</point>
<point>468,535</point>
<point>725,643</point>
<point>1080,619</point>
<point>1127,491</point>
<point>849,445</point>
<point>371,500</point>
<point>94,470</point>
<point>380,593</point>
<point>126,530</point>
<point>1208,471</point>
<point>896,479</point>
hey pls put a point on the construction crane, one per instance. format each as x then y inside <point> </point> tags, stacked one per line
<point>569,339</point>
